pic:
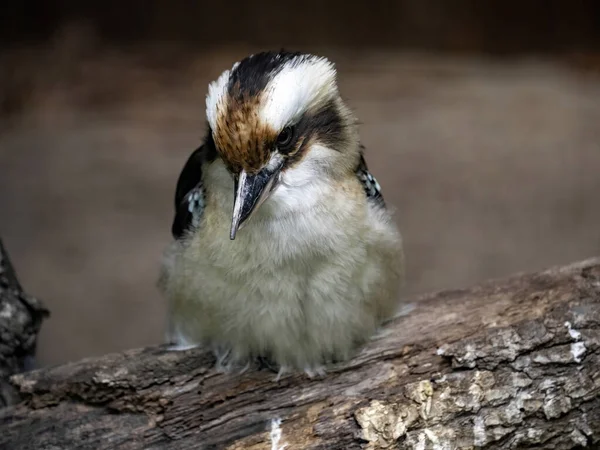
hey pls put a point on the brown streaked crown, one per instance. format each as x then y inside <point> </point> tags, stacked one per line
<point>236,107</point>
<point>243,141</point>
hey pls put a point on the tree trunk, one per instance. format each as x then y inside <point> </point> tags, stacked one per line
<point>508,364</point>
<point>20,319</point>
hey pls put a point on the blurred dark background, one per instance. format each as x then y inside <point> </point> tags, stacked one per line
<point>481,120</point>
<point>499,27</point>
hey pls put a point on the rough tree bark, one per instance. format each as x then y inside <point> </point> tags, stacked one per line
<point>20,319</point>
<point>508,364</point>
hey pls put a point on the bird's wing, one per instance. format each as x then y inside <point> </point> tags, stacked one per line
<point>369,183</point>
<point>189,194</point>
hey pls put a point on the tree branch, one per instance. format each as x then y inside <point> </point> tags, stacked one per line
<point>20,320</point>
<point>507,364</point>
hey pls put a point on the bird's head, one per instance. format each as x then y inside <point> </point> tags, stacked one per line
<point>278,123</point>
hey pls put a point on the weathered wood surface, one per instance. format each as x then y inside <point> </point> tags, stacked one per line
<point>509,364</point>
<point>21,316</point>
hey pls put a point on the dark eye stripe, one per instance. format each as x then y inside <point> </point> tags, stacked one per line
<point>325,126</point>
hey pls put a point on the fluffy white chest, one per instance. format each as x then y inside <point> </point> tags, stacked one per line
<point>300,287</point>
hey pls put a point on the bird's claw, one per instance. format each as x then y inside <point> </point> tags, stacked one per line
<point>315,371</point>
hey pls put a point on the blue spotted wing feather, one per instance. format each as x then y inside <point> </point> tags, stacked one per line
<point>190,192</point>
<point>369,183</point>
<point>189,195</point>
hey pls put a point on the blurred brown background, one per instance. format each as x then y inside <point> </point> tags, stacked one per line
<point>481,120</point>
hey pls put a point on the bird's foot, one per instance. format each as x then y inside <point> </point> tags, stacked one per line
<point>310,372</point>
<point>281,372</point>
<point>227,364</point>
<point>224,363</point>
<point>315,371</point>
<point>266,363</point>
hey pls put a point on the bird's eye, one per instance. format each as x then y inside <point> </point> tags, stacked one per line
<point>285,139</point>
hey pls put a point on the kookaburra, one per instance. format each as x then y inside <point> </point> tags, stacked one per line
<point>284,249</point>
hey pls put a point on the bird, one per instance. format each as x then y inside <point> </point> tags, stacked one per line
<point>284,251</point>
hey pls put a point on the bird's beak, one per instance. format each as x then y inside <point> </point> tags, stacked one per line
<point>251,190</point>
